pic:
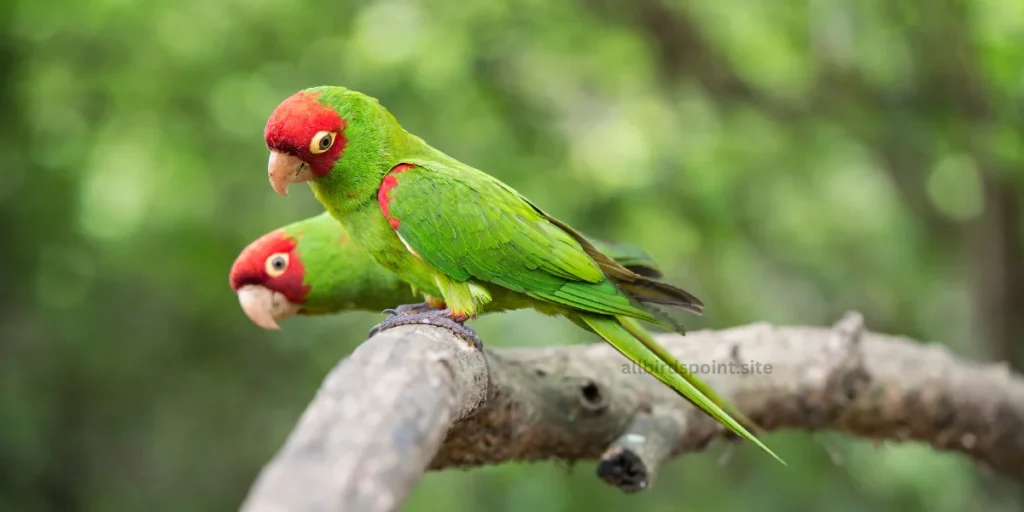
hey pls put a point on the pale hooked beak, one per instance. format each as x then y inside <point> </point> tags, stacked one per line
<point>284,169</point>
<point>265,307</point>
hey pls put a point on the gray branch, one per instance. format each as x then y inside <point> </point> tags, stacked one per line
<point>416,398</point>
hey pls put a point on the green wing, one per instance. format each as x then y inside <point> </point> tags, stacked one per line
<point>469,225</point>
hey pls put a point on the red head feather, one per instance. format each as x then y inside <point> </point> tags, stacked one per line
<point>293,124</point>
<point>251,267</point>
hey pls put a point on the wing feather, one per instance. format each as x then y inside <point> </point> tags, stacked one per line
<point>469,225</point>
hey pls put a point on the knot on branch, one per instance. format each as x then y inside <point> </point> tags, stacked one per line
<point>591,397</point>
<point>623,468</point>
<point>848,376</point>
<point>632,462</point>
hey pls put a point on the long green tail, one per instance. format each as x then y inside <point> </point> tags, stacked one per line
<point>630,339</point>
<point>641,334</point>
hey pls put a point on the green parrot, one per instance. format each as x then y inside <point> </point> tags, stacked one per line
<point>312,267</point>
<point>457,233</point>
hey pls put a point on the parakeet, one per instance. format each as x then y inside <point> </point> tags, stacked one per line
<point>312,267</point>
<point>457,233</point>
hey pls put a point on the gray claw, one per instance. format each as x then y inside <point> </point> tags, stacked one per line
<point>439,318</point>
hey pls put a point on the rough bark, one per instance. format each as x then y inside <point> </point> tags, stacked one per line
<point>382,415</point>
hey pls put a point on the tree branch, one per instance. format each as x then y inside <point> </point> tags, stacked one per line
<point>380,420</point>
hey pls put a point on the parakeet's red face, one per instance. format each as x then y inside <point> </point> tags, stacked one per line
<point>267,277</point>
<point>305,138</point>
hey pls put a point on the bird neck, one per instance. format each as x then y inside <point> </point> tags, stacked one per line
<point>376,143</point>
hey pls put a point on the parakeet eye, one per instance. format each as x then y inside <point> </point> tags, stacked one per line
<point>276,264</point>
<point>321,142</point>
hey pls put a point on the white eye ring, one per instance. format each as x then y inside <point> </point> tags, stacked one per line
<point>321,142</point>
<point>276,264</point>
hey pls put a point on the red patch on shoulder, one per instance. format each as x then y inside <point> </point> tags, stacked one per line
<point>293,124</point>
<point>389,183</point>
<point>250,267</point>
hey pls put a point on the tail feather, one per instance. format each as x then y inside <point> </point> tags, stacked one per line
<point>656,292</point>
<point>638,332</point>
<point>665,319</point>
<point>633,258</point>
<point>632,341</point>
<point>639,287</point>
<point>643,270</point>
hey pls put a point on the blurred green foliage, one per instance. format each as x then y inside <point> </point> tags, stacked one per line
<point>785,161</point>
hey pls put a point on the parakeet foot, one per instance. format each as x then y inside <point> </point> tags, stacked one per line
<point>436,317</point>
<point>410,309</point>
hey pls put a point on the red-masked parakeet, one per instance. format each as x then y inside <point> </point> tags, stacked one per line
<point>457,233</point>
<point>312,267</point>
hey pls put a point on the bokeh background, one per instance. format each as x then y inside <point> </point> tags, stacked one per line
<point>786,161</point>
